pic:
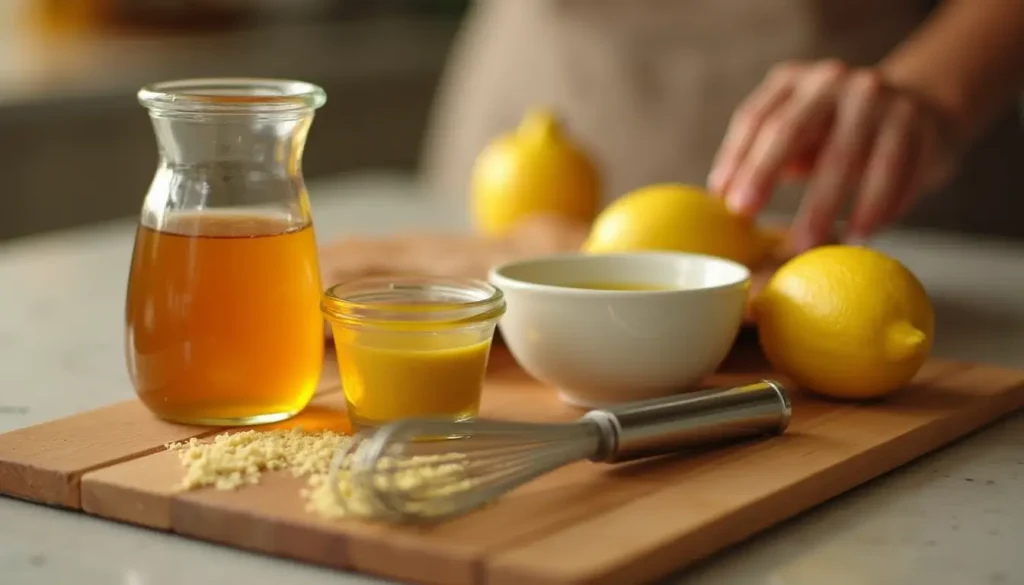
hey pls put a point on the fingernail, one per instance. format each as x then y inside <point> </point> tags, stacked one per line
<point>740,199</point>
<point>716,182</point>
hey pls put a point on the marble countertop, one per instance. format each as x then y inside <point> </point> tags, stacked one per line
<point>954,517</point>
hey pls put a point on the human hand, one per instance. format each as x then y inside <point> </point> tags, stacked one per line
<point>843,130</point>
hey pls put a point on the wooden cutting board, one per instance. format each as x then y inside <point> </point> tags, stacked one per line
<point>583,524</point>
<point>470,255</point>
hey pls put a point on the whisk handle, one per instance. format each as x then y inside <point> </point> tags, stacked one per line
<point>663,425</point>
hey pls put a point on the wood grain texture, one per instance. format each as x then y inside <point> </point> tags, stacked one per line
<point>585,523</point>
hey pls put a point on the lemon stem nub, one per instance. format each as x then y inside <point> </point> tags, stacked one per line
<point>539,125</point>
<point>903,340</point>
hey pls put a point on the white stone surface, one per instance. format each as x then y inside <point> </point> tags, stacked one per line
<point>955,517</point>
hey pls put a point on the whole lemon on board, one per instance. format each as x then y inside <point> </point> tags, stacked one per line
<point>679,218</point>
<point>846,322</point>
<point>534,170</point>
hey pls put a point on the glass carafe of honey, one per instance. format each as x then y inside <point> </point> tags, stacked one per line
<point>223,324</point>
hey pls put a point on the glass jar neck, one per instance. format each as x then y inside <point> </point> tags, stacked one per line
<point>272,143</point>
<point>250,121</point>
<point>228,144</point>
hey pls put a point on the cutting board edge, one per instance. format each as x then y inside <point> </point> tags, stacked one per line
<point>183,521</point>
<point>60,485</point>
<point>63,487</point>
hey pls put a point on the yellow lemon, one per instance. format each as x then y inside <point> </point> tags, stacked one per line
<point>845,321</point>
<point>679,218</point>
<point>534,170</point>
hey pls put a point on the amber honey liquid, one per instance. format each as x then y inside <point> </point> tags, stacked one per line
<point>223,318</point>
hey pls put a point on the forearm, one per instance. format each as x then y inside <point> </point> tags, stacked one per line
<point>967,61</point>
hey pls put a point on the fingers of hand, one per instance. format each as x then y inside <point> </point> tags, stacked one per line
<point>748,118</point>
<point>782,136</point>
<point>887,177</point>
<point>846,129</point>
<point>841,157</point>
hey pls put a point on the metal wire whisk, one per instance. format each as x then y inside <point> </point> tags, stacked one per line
<point>433,469</point>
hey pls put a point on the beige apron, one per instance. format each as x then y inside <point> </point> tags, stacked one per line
<point>649,86</point>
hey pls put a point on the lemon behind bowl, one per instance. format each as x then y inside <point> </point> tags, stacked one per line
<point>535,170</point>
<point>846,322</point>
<point>678,217</point>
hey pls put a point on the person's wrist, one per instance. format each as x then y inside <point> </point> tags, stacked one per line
<point>942,101</point>
<point>947,112</point>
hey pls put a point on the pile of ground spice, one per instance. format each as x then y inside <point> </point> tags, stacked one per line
<point>233,460</point>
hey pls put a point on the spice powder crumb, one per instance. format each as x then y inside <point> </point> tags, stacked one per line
<point>233,460</point>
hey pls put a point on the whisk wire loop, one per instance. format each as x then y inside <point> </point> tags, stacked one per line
<point>436,468</point>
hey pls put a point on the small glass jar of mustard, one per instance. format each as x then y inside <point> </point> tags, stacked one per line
<point>412,346</point>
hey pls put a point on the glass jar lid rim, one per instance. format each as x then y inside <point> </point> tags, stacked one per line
<point>347,301</point>
<point>336,293</point>
<point>241,94</point>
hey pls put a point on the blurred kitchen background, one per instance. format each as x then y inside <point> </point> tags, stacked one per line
<point>76,147</point>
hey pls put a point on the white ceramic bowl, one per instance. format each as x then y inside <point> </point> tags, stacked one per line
<point>601,347</point>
